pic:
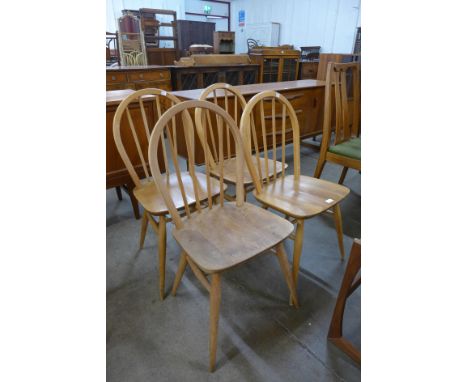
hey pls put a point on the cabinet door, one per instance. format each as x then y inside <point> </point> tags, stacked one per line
<point>270,69</point>
<point>289,69</point>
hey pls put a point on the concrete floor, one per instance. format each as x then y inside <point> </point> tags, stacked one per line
<point>260,338</point>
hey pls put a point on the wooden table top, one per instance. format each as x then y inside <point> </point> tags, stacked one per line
<point>130,68</point>
<point>256,88</point>
<point>114,97</point>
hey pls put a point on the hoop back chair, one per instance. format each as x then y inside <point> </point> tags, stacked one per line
<point>345,95</point>
<point>297,196</point>
<point>137,108</point>
<point>223,95</point>
<point>220,236</point>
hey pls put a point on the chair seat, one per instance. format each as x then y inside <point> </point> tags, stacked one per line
<point>229,170</point>
<point>226,236</point>
<point>302,199</point>
<point>152,201</point>
<point>350,149</point>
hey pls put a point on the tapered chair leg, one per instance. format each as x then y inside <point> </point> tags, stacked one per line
<point>215,299</point>
<point>339,228</point>
<point>144,226</point>
<point>319,168</point>
<point>297,250</point>
<point>162,254</point>
<point>343,175</point>
<point>283,260</point>
<point>180,272</point>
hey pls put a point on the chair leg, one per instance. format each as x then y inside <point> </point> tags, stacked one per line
<point>319,168</point>
<point>283,260</point>
<point>343,175</point>
<point>119,192</point>
<point>297,251</point>
<point>162,254</point>
<point>339,228</point>
<point>180,272</point>
<point>215,299</point>
<point>144,226</point>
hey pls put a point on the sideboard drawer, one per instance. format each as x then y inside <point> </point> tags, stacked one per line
<point>163,85</point>
<point>149,75</point>
<point>116,77</point>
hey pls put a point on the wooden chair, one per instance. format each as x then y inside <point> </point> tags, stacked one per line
<point>145,190</point>
<point>349,284</point>
<point>346,148</point>
<point>230,93</point>
<point>297,196</point>
<point>221,236</point>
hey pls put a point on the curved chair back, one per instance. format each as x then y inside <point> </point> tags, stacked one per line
<point>342,90</point>
<point>225,124</point>
<point>220,94</point>
<point>270,136</point>
<point>137,108</point>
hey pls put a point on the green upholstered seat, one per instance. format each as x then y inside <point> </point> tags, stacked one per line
<point>350,149</point>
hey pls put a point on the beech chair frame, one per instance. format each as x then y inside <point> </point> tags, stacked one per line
<point>208,252</point>
<point>298,197</point>
<point>154,209</point>
<point>346,126</point>
<point>201,116</point>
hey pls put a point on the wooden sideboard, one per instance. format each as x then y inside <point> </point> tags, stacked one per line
<point>138,77</point>
<point>306,96</point>
<point>276,63</point>
<point>202,76</point>
<point>308,69</point>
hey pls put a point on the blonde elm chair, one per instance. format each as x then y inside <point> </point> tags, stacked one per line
<point>297,196</point>
<point>223,95</point>
<point>221,236</point>
<point>131,139</point>
<point>342,89</point>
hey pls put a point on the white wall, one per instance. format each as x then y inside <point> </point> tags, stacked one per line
<point>328,23</point>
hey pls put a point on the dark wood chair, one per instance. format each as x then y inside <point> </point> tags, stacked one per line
<point>349,284</point>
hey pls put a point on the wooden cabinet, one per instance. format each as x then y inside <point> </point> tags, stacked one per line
<point>138,77</point>
<point>276,64</point>
<point>198,77</point>
<point>325,58</point>
<point>224,42</point>
<point>193,32</point>
<point>307,97</point>
<point>308,70</point>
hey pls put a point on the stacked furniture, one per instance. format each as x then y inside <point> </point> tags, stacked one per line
<point>193,32</point>
<point>224,42</point>
<point>308,65</point>
<point>276,63</point>
<point>131,42</point>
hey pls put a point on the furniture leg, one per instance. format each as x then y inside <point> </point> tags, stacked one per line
<point>180,272</point>
<point>297,251</point>
<point>348,285</point>
<point>339,228</point>
<point>144,226</point>
<point>283,260</point>
<point>136,210</point>
<point>162,254</point>
<point>119,192</point>
<point>343,175</point>
<point>319,168</point>
<point>215,299</point>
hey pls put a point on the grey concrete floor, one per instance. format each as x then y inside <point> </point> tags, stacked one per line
<point>260,338</point>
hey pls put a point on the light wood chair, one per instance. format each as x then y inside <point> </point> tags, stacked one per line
<point>221,236</point>
<point>223,95</point>
<point>297,196</point>
<point>145,190</point>
<point>345,150</point>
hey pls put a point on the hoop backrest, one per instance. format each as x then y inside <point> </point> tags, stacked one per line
<point>213,92</point>
<point>162,128</point>
<point>269,134</point>
<point>343,91</point>
<point>151,98</point>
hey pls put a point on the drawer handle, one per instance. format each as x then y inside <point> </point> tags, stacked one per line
<point>161,75</point>
<point>113,78</point>
<point>141,75</point>
<point>291,97</point>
